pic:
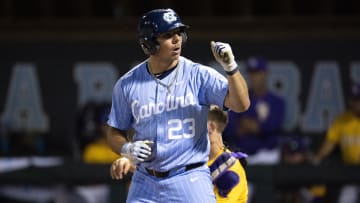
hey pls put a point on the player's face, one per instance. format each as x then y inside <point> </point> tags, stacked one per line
<point>257,80</point>
<point>170,44</point>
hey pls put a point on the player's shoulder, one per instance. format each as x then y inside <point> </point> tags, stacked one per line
<point>275,96</point>
<point>189,64</point>
<point>134,73</point>
<point>198,68</point>
<point>345,117</point>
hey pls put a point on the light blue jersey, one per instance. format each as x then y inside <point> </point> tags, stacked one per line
<point>175,119</point>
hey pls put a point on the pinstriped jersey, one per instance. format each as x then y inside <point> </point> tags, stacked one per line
<point>175,120</point>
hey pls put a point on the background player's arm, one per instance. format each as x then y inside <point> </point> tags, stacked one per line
<point>120,167</point>
<point>326,148</point>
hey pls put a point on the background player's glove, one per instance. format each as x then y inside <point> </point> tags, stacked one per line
<point>137,151</point>
<point>223,55</point>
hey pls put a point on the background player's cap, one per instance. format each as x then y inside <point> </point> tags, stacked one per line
<point>256,63</point>
<point>355,90</point>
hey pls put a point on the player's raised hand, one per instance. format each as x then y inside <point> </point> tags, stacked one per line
<point>224,55</point>
<point>120,167</point>
<point>137,151</point>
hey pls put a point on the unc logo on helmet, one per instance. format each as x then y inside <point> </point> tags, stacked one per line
<point>170,17</point>
<point>154,23</point>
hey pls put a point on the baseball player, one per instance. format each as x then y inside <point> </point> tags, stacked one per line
<point>226,167</point>
<point>257,130</point>
<point>165,100</point>
<point>345,133</point>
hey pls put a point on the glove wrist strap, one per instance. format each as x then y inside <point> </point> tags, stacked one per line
<point>125,149</point>
<point>230,67</point>
<point>232,72</point>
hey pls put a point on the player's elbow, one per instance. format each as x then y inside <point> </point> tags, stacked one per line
<point>241,106</point>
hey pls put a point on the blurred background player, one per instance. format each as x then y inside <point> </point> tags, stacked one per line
<point>257,130</point>
<point>92,130</point>
<point>95,149</point>
<point>166,100</point>
<point>344,133</point>
<point>294,151</point>
<point>227,168</point>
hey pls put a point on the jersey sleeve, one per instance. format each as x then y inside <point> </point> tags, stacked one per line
<point>214,87</point>
<point>120,115</point>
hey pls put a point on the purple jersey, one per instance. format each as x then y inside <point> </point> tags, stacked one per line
<point>175,119</point>
<point>269,111</point>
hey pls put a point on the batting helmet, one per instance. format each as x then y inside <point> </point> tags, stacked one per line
<point>156,22</point>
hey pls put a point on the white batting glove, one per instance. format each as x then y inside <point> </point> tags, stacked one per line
<point>224,55</point>
<point>137,151</point>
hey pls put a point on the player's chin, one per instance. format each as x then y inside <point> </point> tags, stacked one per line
<point>175,56</point>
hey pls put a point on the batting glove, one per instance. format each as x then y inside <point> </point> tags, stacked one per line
<point>137,151</point>
<point>223,55</point>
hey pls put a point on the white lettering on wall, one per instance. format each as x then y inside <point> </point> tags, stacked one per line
<point>325,100</point>
<point>95,81</point>
<point>23,107</point>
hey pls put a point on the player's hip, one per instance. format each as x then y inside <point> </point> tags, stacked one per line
<point>190,186</point>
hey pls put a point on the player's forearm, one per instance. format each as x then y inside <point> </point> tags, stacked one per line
<point>325,150</point>
<point>115,139</point>
<point>238,96</point>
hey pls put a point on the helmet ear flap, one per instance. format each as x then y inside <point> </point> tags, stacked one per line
<point>184,37</point>
<point>149,46</point>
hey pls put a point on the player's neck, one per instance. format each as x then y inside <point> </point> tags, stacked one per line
<point>216,146</point>
<point>158,66</point>
<point>260,92</point>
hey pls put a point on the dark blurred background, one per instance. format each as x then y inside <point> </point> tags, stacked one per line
<point>59,60</point>
<point>61,42</point>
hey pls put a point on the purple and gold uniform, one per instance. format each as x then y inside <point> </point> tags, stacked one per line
<point>229,177</point>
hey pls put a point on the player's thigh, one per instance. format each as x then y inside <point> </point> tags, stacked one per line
<point>193,187</point>
<point>142,189</point>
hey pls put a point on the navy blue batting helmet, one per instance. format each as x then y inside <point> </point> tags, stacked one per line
<point>154,23</point>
